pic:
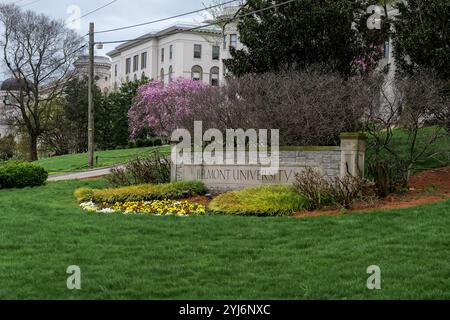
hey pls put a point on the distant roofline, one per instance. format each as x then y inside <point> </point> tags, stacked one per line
<point>162,33</point>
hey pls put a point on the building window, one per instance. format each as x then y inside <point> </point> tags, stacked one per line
<point>233,41</point>
<point>215,52</point>
<point>115,85</point>
<point>128,65</point>
<point>171,52</point>
<point>224,42</point>
<point>197,73</point>
<point>127,79</point>
<point>214,76</point>
<point>135,63</point>
<point>170,74</point>
<point>224,69</point>
<point>386,49</point>
<point>144,60</point>
<point>197,51</point>
<point>161,75</point>
<point>162,54</point>
<point>135,77</point>
<point>115,70</point>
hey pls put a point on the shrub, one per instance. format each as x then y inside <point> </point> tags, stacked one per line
<point>152,169</point>
<point>145,192</point>
<point>7,148</point>
<point>390,176</point>
<point>157,142</point>
<point>259,201</point>
<point>313,187</point>
<point>21,174</point>
<point>345,191</point>
<point>341,192</point>
<point>139,143</point>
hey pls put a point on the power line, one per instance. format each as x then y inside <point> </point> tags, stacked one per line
<point>206,25</point>
<point>93,11</point>
<point>168,18</point>
<point>27,4</point>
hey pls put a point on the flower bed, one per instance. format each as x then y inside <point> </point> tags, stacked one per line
<point>157,207</point>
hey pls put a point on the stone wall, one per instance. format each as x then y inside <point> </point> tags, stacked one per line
<point>329,161</point>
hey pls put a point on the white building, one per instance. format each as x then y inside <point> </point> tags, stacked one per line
<point>230,35</point>
<point>8,89</point>
<point>102,70</point>
<point>177,51</point>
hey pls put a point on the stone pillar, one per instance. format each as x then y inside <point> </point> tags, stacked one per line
<point>353,151</point>
<point>173,162</point>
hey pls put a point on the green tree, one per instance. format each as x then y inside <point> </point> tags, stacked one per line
<point>304,32</point>
<point>58,137</point>
<point>76,109</point>
<point>422,36</point>
<point>112,128</point>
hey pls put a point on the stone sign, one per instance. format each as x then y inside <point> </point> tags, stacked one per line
<point>331,162</point>
<point>220,177</point>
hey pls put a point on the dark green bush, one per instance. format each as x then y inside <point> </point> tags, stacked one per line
<point>148,143</point>
<point>139,143</point>
<point>157,142</point>
<point>15,174</point>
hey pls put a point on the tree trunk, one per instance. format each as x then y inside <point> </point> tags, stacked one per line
<point>33,147</point>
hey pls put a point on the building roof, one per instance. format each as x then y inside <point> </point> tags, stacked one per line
<point>165,32</point>
<point>83,61</point>
<point>13,84</point>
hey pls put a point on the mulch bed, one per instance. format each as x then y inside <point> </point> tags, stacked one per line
<point>426,187</point>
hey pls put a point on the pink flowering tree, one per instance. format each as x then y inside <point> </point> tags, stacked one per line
<point>161,107</point>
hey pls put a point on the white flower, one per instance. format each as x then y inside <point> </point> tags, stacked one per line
<point>89,206</point>
<point>106,210</point>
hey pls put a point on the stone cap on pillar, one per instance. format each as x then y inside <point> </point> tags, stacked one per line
<point>353,141</point>
<point>354,135</point>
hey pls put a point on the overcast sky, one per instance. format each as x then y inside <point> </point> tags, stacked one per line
<point>118,14</point>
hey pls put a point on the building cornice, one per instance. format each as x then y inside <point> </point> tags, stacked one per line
<point>161,34</point>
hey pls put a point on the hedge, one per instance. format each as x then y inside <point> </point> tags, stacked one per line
<point>145,192</point>
<point>14,174</point>
<point>259,201</point>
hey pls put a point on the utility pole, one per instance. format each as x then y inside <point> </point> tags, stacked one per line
<point>91,97</point>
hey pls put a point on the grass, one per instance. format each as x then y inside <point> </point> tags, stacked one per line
<point>259,201</point>
<point>216,257</point>
<point>437,155</point>
<point>78,162</point>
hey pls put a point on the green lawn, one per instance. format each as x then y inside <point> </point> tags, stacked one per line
<point>436,156</point>
<point>77,162</point>
<point>216,257</point>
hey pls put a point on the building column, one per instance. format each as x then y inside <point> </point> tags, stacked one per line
<point>353,151</point>
<point>173,162</point>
